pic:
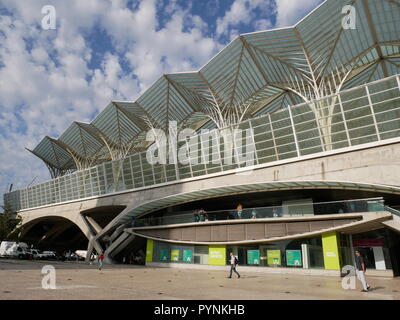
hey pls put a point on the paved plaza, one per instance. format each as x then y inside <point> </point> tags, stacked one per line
<point>23,280</point>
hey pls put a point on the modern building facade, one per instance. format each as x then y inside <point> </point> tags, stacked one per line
<point>284,148</point>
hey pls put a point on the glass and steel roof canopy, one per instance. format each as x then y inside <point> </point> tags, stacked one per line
<point>254,68</point>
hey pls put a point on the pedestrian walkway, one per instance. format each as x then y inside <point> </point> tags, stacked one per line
<point>22,280</point>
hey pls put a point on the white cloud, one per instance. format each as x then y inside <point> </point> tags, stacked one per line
<point>289,12</point>
<point>46,81</point>
<point>262,24</point>
<point>242,11</point>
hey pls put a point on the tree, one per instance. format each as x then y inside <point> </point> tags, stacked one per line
<point>10,224</point>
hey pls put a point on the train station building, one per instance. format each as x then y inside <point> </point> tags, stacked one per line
<point>284,149</point>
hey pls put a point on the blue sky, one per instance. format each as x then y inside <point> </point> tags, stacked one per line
<point>105,50</point>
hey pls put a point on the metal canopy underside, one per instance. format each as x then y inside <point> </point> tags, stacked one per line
<point>254,68</point>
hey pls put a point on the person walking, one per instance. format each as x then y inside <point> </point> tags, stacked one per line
<point>234,263</point>
<point>361,269</point>
<point>101,258</point>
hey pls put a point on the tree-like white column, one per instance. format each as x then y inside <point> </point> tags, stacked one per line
<point>320,91</point>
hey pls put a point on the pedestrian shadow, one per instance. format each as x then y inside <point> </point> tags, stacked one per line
<point>376,288</point>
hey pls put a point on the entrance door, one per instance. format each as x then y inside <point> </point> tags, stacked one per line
<point>368,255</point>
<point>379,258</point>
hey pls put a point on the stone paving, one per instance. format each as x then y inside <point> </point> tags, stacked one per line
<point>79,281</point>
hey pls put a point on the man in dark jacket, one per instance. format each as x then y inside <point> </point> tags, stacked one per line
<point>361,269</point>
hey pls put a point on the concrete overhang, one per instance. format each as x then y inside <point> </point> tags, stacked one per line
<point>268,230</point>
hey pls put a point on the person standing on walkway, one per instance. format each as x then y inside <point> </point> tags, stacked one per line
<point>101,258</point>
<point>234,262</point>
<point>239,210</point>
<point>360,269</point>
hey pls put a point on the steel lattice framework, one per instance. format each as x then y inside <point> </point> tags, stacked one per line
<point>254,68</point>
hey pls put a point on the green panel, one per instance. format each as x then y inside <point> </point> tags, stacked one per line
<point>253,257</point>
<point>217,255</point>
<point>149,250</point>
<point>163,254</point>
<point>331,250</point>
<point>187,255</point>
<point>293,258</point>
<point>274,257</point>
<point>175,255</point>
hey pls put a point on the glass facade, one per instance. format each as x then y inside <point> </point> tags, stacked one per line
<point>374,246</point>
<point>289,253</point>
<point>298,253</point>
<point>179,253</point>
<point>365,114</point>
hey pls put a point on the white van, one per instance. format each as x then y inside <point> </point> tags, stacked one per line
<point>10,249</point>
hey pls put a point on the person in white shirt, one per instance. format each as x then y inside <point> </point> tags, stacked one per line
<point>233,265</point>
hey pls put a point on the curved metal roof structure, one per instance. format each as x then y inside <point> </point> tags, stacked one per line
<point>254,68</point>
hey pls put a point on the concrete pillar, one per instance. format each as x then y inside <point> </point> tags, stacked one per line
<point>353,258</point>
<point>89,251</point>
<point>94,224</point>
<point>331,250</point>
<point>305,252</point>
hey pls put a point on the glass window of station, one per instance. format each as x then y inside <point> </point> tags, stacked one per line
<point>377,248</point>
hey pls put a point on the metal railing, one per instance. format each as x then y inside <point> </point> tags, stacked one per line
<point>365,114</point>
<point>299,210</point>
<point>392,211</point>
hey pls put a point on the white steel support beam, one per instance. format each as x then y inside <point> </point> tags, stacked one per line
<point>398,81</point>
<point>344,119</point>
<point>273,137</point>
<point>373,113</point>
<point>254,141</point>
<point>294,132</point>
<point>132,175</point>
<point>141,168</point>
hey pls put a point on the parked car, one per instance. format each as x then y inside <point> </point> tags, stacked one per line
<point>50,255</point>
<point>10,249</point>
<point>81,254</point>
<point>70,256</point>
<point>37,255</point>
